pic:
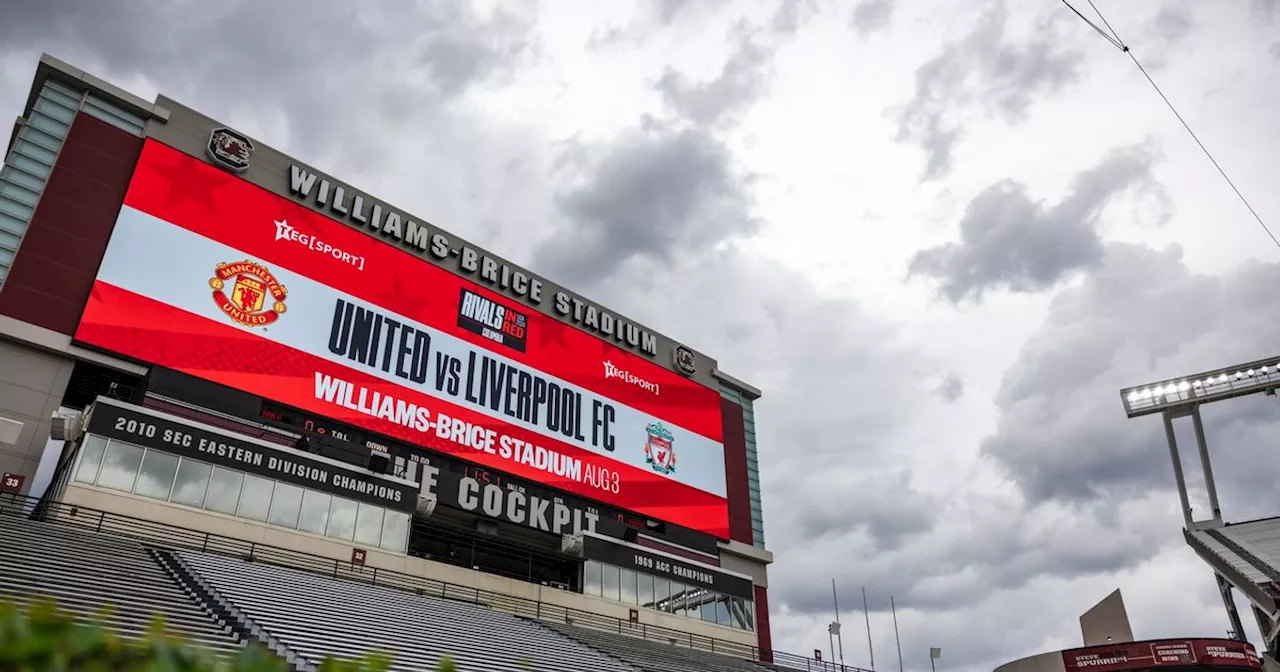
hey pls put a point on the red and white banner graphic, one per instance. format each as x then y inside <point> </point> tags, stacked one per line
<point>213,276</point>
<point>1162,653</point>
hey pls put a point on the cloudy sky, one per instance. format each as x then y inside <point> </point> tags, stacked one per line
<point>939,236</point>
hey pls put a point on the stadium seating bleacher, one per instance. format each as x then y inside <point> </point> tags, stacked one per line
<point>316,616</point>
<point>655,657</point>
<point>87,573</point>
<point>222,600</point>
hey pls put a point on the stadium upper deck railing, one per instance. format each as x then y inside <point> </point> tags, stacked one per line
<point>173,537</point>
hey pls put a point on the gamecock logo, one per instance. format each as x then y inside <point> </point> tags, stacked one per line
<point>250,285</point>
<point>230,149</point>
<point>659,449</point>
<point>685,361</point>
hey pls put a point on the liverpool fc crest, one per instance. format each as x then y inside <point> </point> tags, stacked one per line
<point>659,449</point>
<point>250,285</point>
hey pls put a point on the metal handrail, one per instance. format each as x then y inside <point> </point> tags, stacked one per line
<point>791,661</point>
<point>173,537</point>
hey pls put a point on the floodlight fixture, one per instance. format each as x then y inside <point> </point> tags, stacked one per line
<point>1202,388</point>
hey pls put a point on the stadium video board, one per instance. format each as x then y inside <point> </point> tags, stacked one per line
<point>213,276</point>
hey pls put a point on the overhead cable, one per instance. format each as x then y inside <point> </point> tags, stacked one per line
<point>1116,42</point>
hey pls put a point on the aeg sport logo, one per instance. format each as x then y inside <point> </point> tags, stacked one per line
<point>251,284</point>
<point>659,449</point>
<point>286,231</point>
<point>492,320</point>
<point>612,370</point>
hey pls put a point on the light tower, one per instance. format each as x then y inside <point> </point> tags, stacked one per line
<point>1245,555</point>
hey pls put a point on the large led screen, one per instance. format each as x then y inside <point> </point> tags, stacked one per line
<point>213,276</point>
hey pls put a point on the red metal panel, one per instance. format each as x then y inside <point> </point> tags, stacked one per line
<point>735,466</point>
<point>76,219</point>
<point>54,270</point>
<point>57,279</point>
<point>76,174</point>
<point>101,141</point>
<point>62,246</point>
<point>764,638</point>
<point>44,310</point>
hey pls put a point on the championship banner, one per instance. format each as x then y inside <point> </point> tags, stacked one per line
<point>663,565</point>
<point>186,438</point>
<point>215,277</point>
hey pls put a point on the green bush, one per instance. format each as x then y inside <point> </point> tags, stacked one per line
<point>47,640</point>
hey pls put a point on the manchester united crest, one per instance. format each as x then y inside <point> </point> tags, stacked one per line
<point>659,449</point>
<point>241,290</point>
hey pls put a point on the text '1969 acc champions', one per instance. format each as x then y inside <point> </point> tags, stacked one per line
<point>215,277</point>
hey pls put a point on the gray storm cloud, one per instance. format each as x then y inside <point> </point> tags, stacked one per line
<point>1009,241</point>
<point>985,69</point>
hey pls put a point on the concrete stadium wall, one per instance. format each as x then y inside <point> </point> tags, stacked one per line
<point>732,558</point>
<point>1043,662</point>
<point>32,383</point>
<point>214,523</point>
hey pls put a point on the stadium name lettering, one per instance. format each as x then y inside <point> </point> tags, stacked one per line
<point>366,213</point>
<point>509,504</point>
